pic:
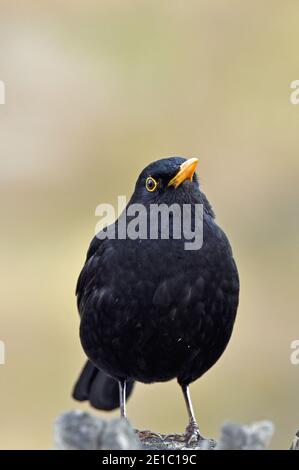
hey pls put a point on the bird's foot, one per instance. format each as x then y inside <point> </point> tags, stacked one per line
<point>174,437</point>
<point>145,435</point>
<point>192,433</point>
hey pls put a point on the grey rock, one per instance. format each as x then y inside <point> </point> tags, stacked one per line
<point>174,442</point>
<point>295,443</point>
<point>245,437</point>
<point>119,435</point>
<point>81,430</point>
<point>78,430</point>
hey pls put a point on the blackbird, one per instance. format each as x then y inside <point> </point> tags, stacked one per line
<point>152,310</point>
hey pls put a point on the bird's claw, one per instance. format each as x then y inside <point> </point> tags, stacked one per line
<point>174,437</point>
<point>144,435</point>
<point>192,433</point>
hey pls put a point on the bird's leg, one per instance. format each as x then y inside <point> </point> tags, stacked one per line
<point>122,398</point>
<point>123,414</point>
<point>192,433</point>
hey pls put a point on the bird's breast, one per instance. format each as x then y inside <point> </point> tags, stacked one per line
<point>153,307</point>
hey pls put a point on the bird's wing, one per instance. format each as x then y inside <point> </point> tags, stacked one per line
<point>86,278</point>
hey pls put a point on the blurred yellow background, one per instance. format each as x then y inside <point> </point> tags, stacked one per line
<point>96,90</point>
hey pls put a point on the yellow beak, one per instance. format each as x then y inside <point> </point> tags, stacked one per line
<point>186,171</point>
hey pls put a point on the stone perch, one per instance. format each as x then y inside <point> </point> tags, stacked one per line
<point>80,430</point>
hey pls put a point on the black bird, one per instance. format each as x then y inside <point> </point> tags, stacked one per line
<point>150,309</point>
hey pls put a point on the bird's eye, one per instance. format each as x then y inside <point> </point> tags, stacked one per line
<point>151,184</point>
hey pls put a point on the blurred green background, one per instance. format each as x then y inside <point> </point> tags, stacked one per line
<point>96,90</point>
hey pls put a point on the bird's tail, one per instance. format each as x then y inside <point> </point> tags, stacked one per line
<point>98,388</point>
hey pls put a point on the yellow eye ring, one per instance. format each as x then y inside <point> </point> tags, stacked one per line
<point>151,184</point>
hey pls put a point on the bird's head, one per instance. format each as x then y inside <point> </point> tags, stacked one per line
<point>170,180</point>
